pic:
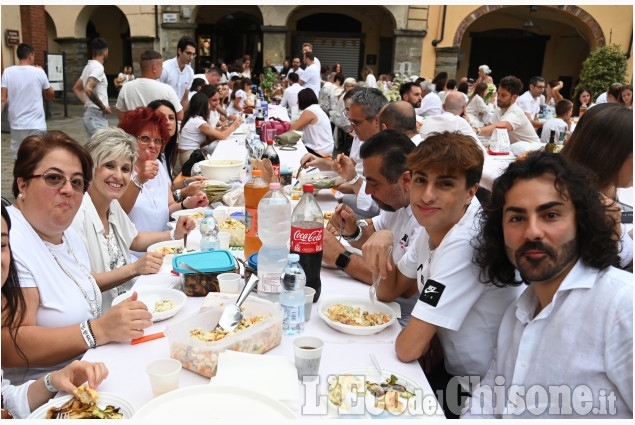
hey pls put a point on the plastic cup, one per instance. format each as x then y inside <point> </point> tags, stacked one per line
<point>271,133</point>
<point>309,293</point>
<point>164,375</point>
<point>220,214</point>
<point>307,351</point>
<point>228,282</point>
<point>223,238</point>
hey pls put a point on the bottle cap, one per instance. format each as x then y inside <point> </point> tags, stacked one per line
<point>209,213</point>
<point>274,186</point>
<point>294,258</point>
<point>256,172</point>
<point>307,188</point>
<point>270,142</point>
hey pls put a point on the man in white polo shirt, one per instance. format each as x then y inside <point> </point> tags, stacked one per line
<point>509,115</point>
<point>451,119</point>
<point>529,101</point>
<point>177,71</point>
<point>290,96</point>
<point>311,76</point>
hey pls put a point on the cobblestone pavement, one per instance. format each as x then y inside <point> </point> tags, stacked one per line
<point>71,125</point>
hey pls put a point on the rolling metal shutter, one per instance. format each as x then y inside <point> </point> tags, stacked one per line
<point>332,48</point>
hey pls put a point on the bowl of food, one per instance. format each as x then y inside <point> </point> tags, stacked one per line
<point>356,315</point>
<point>222,169</point>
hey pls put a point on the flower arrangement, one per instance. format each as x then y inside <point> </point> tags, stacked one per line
<point>391,88</point>
<point>491,89</point>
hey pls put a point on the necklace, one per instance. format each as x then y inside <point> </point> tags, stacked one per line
<point>93,305</point>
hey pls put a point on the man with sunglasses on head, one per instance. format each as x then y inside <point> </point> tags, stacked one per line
<point>177,72</point>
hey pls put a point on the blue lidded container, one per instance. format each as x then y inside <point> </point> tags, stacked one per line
<point>210,263</point>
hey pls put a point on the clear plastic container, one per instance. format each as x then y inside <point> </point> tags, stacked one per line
<point>202,357</point>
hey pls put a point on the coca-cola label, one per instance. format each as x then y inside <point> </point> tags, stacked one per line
<point>251,222</point>
<point>276,168</point>
<point>258,123</point>
<point>307,241</point>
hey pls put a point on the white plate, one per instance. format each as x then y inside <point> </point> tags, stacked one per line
<point>166,267</point>
<point>366,305</point>
<point>149,296</point>
<point>125,408</point>
<point>176,214</point>
<point>205,402</point>
<point>368,400</point>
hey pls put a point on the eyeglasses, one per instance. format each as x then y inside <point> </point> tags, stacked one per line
<point>355,123</point>
<point>146,140</point>
<point>58,181</point>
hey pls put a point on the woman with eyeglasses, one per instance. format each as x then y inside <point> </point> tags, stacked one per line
<point>149,200</point>
<point>106,229</point>
<point>63,314</point>
<point>315,124</point>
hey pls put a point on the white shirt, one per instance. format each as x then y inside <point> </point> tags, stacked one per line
<point>556,124</point>
<point>371,81</point>
<point>476,109</point>
<point>191,137</point>
<point>467,312</point>
<point>142,91</point>
<point>583,337</point>
<point>522,130</point>
<point>61,301</point>
<point>311,78</point>
<point>214,116</point>
<point>241,95</point>
<point>318,136</point>
<point>300,71</point>
<point>179,80</point>
<point>15,398</point>
<point>430,105</point>
<point>290,96</point>
<point>529,104</point>
<point>96,70</point>
<point>24,84</point>
<point>601,98</point>
<point>416,139</point>
<point>90,228</point>
<point>447,121</point>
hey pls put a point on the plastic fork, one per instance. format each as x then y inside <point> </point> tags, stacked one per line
<point>63,415</point>
<point>372,291</point>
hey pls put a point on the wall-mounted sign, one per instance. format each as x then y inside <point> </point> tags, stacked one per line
<point>170,17</point>
<point>13,37</point>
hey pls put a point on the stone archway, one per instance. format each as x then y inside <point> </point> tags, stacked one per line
<point>580,14</point>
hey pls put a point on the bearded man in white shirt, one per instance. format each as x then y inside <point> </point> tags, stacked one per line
<point>529,101</point>
<point>565,347</point>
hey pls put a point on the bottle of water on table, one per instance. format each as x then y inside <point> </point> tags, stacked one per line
<point>209,233</point>
<point>292,296</point>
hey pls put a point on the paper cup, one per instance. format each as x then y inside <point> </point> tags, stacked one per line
<point>228,282</point>
<point>164,375</point>
<point>223,238</point>
<point>307,351</point>
<point>309,293</point>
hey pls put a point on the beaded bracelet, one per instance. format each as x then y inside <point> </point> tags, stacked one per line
<point>90,328</point>
<point>86,334</point>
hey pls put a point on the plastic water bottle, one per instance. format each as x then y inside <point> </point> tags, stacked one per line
<point>274,230</point>
<point>209,232</point>
<point>265,108</point>
<point>292,296</point>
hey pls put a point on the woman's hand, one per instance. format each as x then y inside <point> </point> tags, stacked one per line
<point>122,322</point>
<point>78,372</point>
<point>184,226</point>
<point>150,263</point>
<point>148,170</point>
<point>195,201</point>
<point>191,189</point>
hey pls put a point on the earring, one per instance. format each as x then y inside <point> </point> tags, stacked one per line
<point>20,196</point>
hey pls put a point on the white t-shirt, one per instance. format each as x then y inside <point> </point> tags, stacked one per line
<point>528,104</point>
<point>583,337</point>
<point>430,105</point>
<point>191,137</point>
<point>318,136</point>
<point>96,70</point>
<point>601,98</point>
<point>91,230</point>
<point>556,124</point>
<point>61,301</point>
<point>300,71</point>
<point>15,398</point>
<point>476,109</point>
<point>311,79</point>
<point>241,95</point>
<point>214,116</point>
<point>151,211</point>
<point>371,81</point>
<point>522,130</point>
<point>290,96</point>
<point>467,312</point>
<point>447,121</point>
<point>24,86</point>
<point>179,80</point>
<point>142,91</point>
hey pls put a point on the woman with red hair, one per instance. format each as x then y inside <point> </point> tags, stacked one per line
<point>149,200</point>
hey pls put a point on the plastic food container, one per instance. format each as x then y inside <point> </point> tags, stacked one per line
<point>202,357</point>
<point>252,261</point>
<point>211,263</point>
<point>321,179</point>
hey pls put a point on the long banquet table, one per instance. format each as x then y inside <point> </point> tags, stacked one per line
<point>342,352</point>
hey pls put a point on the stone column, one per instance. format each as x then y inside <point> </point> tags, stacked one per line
<point>77,55</point>
<point>274,41</point>
<point>172,33</point>
<point>447,60</point>
<point>408,47</point>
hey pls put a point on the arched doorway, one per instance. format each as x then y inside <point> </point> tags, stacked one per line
<point>551,41</point>
<point>232,31</point>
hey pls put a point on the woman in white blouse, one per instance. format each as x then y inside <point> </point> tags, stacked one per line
<point>476,108</point>
<point>239,98</point>
<point>369,77</point>
<point>315,124</point>
<point>105,228</point>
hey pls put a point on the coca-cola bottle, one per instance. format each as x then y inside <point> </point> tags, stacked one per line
<point>260,118</point>
<point>307,238</point>
<point>271,153</point>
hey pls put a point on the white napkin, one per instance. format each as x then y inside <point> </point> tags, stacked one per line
<point>274,376</point>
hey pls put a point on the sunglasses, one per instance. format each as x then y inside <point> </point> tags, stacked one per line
<point>58,181</point>
<point>146,140</point>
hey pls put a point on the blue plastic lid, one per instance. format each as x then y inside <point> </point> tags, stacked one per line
<point>253,260</point>
<point>208,262</point>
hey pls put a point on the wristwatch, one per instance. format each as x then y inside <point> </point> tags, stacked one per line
<point>177,195</point>
<point>342,260</point>
<point>358,232</point>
